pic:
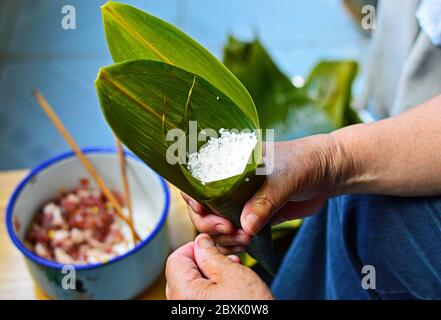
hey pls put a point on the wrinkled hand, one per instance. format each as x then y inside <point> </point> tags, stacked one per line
<point>198,270</point>
<point>306,172</point>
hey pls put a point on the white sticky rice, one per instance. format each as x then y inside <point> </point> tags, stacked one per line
<point>222,157</point>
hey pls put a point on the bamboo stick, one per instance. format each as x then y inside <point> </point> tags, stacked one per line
<point>86,163</point>
<point>125,182</point>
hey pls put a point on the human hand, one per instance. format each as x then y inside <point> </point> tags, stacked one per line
<point>198,270</point>
<point>306,172</point>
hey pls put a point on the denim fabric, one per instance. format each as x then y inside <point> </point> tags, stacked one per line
<point>400,237</point>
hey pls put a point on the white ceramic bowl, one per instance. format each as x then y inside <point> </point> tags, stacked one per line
<point>122,277</point>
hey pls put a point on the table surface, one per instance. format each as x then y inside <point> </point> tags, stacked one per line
<point>15,280</point>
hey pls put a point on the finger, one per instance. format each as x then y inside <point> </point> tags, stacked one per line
<point>184,279</point>
<point>168,293</point>
<point>181,263</point>
<point>212,264</point>
<point>185,196</point>
<point>237,238</point>
<point>263,204</point>
<point>229,250</point>
<point>210,223</point>
<point>234,258</point>
<point>204,220</point>
<point>196,206</point>
<point>297,210</point>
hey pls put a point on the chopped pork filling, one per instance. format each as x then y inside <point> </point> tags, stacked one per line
<point>79,227</point>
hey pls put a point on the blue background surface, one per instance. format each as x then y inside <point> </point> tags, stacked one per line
<point>35,52</point>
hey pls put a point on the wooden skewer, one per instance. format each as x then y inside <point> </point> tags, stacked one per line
<point>80,155</point>
<point>125,181</point>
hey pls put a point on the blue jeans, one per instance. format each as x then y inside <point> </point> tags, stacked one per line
<point>399,237</point>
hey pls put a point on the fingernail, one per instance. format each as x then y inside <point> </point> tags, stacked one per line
<point>221,228</point>
<point>204,242</point>
<point>251,220</point>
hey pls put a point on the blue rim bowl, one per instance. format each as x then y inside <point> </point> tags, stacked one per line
<point>52,264</point>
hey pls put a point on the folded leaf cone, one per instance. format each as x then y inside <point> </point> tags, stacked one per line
<point>162,80</point>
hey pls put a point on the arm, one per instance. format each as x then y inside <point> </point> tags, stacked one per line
<point>398,156</point>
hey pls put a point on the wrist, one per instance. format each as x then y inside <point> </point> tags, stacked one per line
<point>330,163</point>
<point>348,167</point>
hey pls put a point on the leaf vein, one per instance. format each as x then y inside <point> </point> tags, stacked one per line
<point>104,76</point>
<point>146,43</point>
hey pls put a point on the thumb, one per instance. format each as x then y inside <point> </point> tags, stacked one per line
<point>263,204</point>
<point>211,262</point>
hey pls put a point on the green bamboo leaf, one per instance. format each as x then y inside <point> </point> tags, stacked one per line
<point>329,86</point>
<point>134,34</point>
<point>142,100</point>
<point>321,105</point>
<point>175,80</point>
